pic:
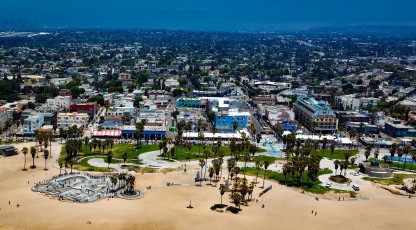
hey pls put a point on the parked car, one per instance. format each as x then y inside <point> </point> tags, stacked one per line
<point>355,187</point>
<point>329,184</point>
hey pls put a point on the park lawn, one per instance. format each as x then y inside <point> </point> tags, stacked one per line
<point>396,180</point>
<point>84,166</point>
<point>399,166</point>
<point>338,154</point>
<point>312,187</point>
<point>183,153</point>
<point>263,158</point>
<point>119,149</point>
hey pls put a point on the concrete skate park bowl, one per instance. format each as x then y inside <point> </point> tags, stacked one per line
<point>81,188</point>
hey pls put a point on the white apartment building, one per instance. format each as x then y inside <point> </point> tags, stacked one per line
<point>171,82</point>
<point>32,123</point>
<point>60,102</point>
<point>347,102</point>
<point>268,86</point>
<point>66,120</point>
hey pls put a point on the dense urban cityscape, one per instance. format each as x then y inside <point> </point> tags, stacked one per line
<point>203,125</point>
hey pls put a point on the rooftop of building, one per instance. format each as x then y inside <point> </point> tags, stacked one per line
<point>72,114</point>
<point>317,105</point>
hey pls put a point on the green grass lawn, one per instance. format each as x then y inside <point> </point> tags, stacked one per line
<point>311,186</point>
<point>399,166</point>
<point>197,152</point>
<point>338,154</point>
<point>118,151</point>
<point>396,180</point>
<point>263,158</point>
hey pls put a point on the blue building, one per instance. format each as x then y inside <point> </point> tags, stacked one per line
<point>396,129</point>
<point>224,121</point>
<point>188,102</point>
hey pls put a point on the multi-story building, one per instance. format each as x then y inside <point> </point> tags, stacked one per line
<point>350,116</point>
<point>125,79</point>
<point>316,116</point>
<point>347,102</point>
<point>155,125</point>
<point>369,102</point>
<point>60,102</point>
<point>89,108</point>
<point>127,112</point>
<point>197,93</point>
<point>32,123</point>
<point>188,102</point>
<point>5,114</point>
<point>396,129</point>
<point>264,100</point>
<point>362,127</point>
<point>224,120</point>
<point>66,120</point>
<point>172,83</point>
<point>268,86</point>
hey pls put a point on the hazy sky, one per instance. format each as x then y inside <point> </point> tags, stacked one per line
<point>210,15</point>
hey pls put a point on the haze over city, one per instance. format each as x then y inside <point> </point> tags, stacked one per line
<point>230,15</point>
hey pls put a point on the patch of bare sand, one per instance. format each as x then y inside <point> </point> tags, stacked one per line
<point>165,207</point>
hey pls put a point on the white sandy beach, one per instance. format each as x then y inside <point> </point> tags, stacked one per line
<point>165,208</point>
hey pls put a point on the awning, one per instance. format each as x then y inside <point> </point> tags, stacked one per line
<point>107,133</point>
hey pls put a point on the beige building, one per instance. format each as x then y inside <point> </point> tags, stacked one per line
<point>66,120</point>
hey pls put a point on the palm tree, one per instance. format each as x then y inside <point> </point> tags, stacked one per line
<point>353,133</point>
<point>201,164</point>
<point>259,165</point>
<point>332,147</point>
<point>258,138</point>
<point>235,125</point>
<point>210,173</point>
<point>189,146</point>
<point>315,145</point>
<point>222,190</point>
<point>46,155</point>
<point>400,154</point>
<point>33,153</point>
<point>113,180</point>
<point>406,150</point>
<point>324,142</point>
<point>376,153</point>
<point>367,152</point>
<point>266,165</point>
<point>236,197</point>
<point>125,155</point>
<point>230,165</point>
<point>60,167</point>
<point>109,157</point>
<point>393,150</point>
<point>25,151</point>
<point>161,145</point>
<point>172,151</point>
<point>207,154</point>
<point>413,159</point>
<point>285,169</point>
<point>336,163</point>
